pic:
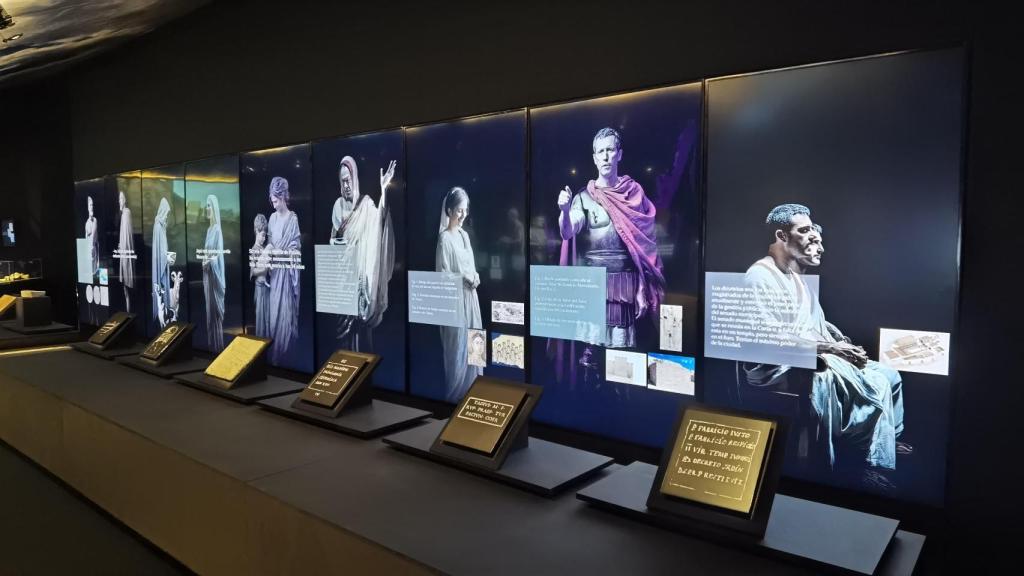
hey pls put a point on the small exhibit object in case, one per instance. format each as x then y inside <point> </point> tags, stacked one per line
<point>489,422</point>
<point>241,361</point>
<point>722,467</point>
<point>109,333</point>
<point>167,344</point>
<point>343,381</point>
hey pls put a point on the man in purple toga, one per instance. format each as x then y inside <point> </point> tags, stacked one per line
<point>610,223</point>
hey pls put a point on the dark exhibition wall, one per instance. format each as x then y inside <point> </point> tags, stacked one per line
<point>230,79</point>
<point>36,184</point>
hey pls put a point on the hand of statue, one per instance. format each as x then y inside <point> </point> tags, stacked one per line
<point>641,303</point>
<point>565,199</point>
<point>385,177</point>
<point>853,354</point>
<point>171,258</point>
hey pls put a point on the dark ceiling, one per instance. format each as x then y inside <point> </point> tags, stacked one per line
<point>56,32</point>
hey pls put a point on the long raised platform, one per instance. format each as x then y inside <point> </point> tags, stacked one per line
<point>9,339</point>
<point>230,488</point>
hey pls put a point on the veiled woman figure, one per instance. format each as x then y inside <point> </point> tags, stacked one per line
<point>260,258</point>
<point>213,277</point>
<point>126,250</point>
<point>90,235</point>
<point>455,255</point>
<point>284,240</point>
<point>161,267</point>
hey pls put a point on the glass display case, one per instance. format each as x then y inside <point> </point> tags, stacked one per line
<point>19,270</point>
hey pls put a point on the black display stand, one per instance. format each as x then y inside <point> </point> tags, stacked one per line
<point>517,437</point>
<point>34,312</point>
<point>365,421</point>
<point>357,393</point>
<point>542,467</point>
<point>129,349</point>
<point>34,316</point>
<point>168,369</point>
<point>120,343</point>
<point>175,359</point>
<point>267,387</point>
<point>756,522</point>
<point>355,412</point>
<point>825,537</point>
<point>50,328</point>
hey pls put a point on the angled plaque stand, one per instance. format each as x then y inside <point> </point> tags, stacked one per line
<point>488,434</point>
<point>490,422</point>
<point>113,339</point>
<point>239,373</point>
<point>826,538</point>
<point>167,355</point>
<point>542,467</point>
<point>339,397</point>
<point>722,468</point>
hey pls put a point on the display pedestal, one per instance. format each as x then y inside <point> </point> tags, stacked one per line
<point>168,369</point>
<point>109,353</point>
<point>365,421</point>
<point>542,467</point>
<point>50,328</point>
<point>246,392</point>
<point>825,537</point>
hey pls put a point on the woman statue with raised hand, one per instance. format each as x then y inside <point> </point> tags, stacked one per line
<point>455,255</point>
<point>284,240</point>
<point>126,251</point>
<point>365,229</point>
<point>164,306</point>
<point>259,265</point>
<point>213,277</point>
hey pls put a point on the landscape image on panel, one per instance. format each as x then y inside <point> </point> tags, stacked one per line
<point>817,179</point>
<point>614,242</point>
<point>359,236</point>
<point>164,229</point>
<point>467,245</point>
<point>215,257</point>
<point>277,214</point>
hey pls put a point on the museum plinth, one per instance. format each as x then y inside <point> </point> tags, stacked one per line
<point>231,488</point>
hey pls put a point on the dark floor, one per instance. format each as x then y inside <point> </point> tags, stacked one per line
<point>46,528</point>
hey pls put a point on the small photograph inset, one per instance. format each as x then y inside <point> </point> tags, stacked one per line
<point>671,328</point>
<point>508,350</point>
<point>670,373</point>
<point>625,367</point>
<point>104,295</point>
<point>914,351</point>
<point>508,312</point>
<point>476,347</point>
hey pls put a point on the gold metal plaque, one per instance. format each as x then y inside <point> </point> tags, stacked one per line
<point>6,301</point>
<point>718,459</point>
<point>483,417</point>
<point>333,379</point>
<point>162,342</point>
<point>239,354</point>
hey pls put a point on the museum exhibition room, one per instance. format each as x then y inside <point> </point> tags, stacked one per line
<point>509,288</point>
